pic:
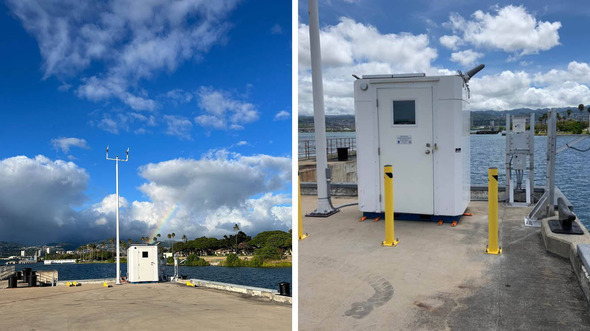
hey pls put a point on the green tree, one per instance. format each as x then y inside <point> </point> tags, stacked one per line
<point>256,262</point>
<point>195,261</point>
<point>268,252</point>
<point>184,237</point>
<point>569,113</point>
<point>261,239</point>
<point>232,260</point>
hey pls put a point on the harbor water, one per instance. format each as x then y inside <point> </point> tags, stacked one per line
<point>257,277</point>
<point>572,173</point>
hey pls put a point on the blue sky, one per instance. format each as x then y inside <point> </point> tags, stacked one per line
<point>535,51</point>
<point>200,93</point>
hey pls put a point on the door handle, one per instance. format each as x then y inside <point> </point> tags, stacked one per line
<point>427,152</point>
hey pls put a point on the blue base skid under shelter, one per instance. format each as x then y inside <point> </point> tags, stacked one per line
<point>415,217</point>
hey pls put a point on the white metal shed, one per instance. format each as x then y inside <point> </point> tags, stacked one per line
<point>420,125</point>
<point>142,263</point>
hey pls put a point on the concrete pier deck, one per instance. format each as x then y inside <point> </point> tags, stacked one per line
<point>164,306</point>
<point>437,278</point>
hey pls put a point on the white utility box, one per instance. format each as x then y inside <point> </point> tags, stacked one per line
<point>142,263</point>
<point>420,125</point>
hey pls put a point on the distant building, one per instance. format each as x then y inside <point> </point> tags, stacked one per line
<point>223,252</point>
<point>22,253</point>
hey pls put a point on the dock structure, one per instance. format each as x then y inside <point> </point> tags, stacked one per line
<point>438,277</point>
<point>138,306</point>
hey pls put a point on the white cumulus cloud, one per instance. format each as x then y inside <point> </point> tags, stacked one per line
<point>131,40</point>
<point>466,57</point>
<point>282,115</point>
<point>64,144</point>
<point>450,42</point>
<point>350,48</point>
<point>554,88</point>
<point>222,111</point>
<point>510,28</point>
<point>40,199</point>
<point>37,196</point>
<point>178,126</point>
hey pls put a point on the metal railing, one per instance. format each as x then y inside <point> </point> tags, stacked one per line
<point>47,277</point>
<point>306,148</point>
<point>6,271</point>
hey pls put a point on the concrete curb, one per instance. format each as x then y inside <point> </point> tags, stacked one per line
<point>87,281</point>
<point>272,295</point>
<point>566,246</point>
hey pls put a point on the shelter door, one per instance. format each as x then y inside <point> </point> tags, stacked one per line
<point>145,268</point>
<point>405,142</point>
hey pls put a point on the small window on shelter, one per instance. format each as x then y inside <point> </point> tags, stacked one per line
<point>144,254</point>
<point>404,112</point>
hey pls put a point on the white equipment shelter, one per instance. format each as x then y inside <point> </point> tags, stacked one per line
<point>142,263</point>
<point>420,125</point>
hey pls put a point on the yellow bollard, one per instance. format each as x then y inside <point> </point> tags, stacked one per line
<point>300,225</point>
<point>390,239</point>
<point>493,247</point>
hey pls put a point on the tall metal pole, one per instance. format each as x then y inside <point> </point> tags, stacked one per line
<point>551,147</point>
<point>324,207</point>
<point>118,268</point>
<point>118,282</point>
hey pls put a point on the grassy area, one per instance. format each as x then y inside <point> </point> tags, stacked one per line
<point>277,264</point>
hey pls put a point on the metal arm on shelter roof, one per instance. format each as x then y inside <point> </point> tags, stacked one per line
<point>118,280</point>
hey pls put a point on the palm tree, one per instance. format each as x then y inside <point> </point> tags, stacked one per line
<point>91,247</point>
<point>129,242</point>
<point>237,229</point>
<point>184,237</point>
<point>174,234</point>
<point>80,250</point>
<point>569,113</point>
<point>155,239</point>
